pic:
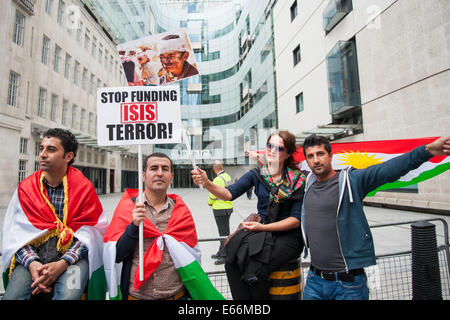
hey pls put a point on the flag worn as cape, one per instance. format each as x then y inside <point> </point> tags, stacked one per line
<point>361,155</point>
<point>180,237</point>
<point>31,219</point>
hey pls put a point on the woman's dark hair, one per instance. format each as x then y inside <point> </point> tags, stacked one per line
<point>315,140</point>
<point>289,144</point>
<point>156,155</point>
<point>68,140</point>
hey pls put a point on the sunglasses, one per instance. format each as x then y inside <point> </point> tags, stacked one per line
<point>270,147</point>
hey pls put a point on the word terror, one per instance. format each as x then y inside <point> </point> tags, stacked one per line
<point>139,131</point>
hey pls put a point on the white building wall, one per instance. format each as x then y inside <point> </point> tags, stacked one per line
<point>403,50</point>
<point>18,121</point>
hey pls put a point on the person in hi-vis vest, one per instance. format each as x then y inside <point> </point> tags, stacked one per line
<point>221,209</point>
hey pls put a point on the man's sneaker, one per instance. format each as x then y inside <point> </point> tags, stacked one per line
<point>221,260</point>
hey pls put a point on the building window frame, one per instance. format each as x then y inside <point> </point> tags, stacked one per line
<point>22,174</point>
<point>41,102</point>
<point>343,78</point>
<point>299,103</point>
<point>74,116</point>
<point>293,10</point>
<point>84,79</point>
<point>19,27</point>
<point>45,49</point>
<point>13,88</point>
<point>23,149</point>
<point>54,107</point>
<point>60,15</point>
<point>82,119</point>
<point>65,108</point>
<point>67,64</point>
<point>48,6</point>
<point>334,12</point>
<point>76,72</point>
<point>296,55</point>
<point>57,58</point>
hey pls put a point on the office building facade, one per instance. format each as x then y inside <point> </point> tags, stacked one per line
<point>231,106</point>
<point>55,55</point>
<point>367,70</point>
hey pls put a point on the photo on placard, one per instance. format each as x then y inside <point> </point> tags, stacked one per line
<point>158,59</point>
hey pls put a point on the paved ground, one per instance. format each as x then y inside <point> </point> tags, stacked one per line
<point>387,239</point>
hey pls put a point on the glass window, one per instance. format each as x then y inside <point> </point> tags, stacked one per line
<point>54,107</point>
<point>65,108</point>
<point>100,53</point>
<point>297,55</point>
<point>45,49</point>
<point>92,84</point>
<point>22,170</point>
<point>76,72</point>
<point>41,102</point>
<point>60,16</point>
<point>56,58</point>
<point>79,30</point>
<point>90,123</point>
<point>23,145</point>
<point>82,119</point>
<point>334,12</point>
<point>299,107</point>
<point>19,24</point>
<point>37,145</point>
<point>343,77</point>
<point>74,116</point>
<point>87,39</point>
<point>13,88</point>
<point>94,46</point>
<point>67,64</point>
<point>84,79</point>
<point>294,10</point>
<point>48,6</point>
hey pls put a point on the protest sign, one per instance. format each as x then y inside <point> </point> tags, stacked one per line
<point>158,59</point>
<point>138,115</point>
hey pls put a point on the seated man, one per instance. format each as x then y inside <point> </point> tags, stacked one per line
<point>53,221</point>
<point>171,270</point>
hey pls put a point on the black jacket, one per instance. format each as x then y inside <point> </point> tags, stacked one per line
<point>124,253</point>
<point>251,251</point>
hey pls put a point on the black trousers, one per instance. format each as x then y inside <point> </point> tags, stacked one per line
<point>287,246</point>
<point>222,218</point>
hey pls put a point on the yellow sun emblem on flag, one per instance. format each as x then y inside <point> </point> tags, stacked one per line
<point>359,160</point>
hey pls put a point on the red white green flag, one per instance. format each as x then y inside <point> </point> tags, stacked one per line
<point>361,155</point>
<point>180,237</point>
<point>31,219</point>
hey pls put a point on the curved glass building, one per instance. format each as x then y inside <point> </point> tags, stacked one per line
<point>230,107</point>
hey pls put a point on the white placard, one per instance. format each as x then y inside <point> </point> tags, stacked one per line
<point>138,115</point>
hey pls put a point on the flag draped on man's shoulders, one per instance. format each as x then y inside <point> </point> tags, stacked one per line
<point>31,219</point>
<point>361,155</point>
<point>180,237</point>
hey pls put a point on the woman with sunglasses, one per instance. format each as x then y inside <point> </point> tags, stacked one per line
<point>277,237</point>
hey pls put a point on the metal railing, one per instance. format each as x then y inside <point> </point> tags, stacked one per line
<point>389,279</point>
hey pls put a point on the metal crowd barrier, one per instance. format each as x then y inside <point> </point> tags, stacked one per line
<point>389,279</point>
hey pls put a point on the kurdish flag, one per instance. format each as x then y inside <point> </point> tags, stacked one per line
<point>180,237</point>
<point>361,155</point>
<point>30,219</point>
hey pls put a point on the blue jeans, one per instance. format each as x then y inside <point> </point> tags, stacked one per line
<point>317,288</point>
<point>69,286</point>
